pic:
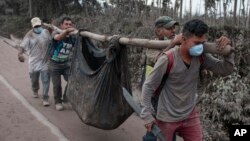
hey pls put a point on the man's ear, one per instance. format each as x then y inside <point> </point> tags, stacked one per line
<point>61,25</point>
<point>157,32</point>
<point>183,38</point>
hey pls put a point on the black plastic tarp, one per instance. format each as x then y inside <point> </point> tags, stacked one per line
<point>95,84</point>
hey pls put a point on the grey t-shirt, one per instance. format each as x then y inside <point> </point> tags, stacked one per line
<point>36,46</point>
<point>178,96</point>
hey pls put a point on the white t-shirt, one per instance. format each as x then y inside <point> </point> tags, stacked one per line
<point>36,46</point>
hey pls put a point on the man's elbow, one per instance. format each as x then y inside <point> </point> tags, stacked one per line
<point>20,50</point>
<point>57,38</point>
<point>230,70</point>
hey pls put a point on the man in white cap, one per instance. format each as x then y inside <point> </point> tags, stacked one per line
<point>35,45</point>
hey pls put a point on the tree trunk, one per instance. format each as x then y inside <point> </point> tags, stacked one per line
<point>248,17</point>
<point>77,4</point>
<point>220,8</point>
<point>243,11</point>
<point>175,15</point>
<point>190,10</point>
<point>234,13</point>
<point>164,7</point>
<point>205,12</point>
<point>225,12</point>
<point>30,8</point>
<point>181,7</point>
<point>241,14</point>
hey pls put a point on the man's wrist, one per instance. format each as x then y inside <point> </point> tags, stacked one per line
<point>20,54</point>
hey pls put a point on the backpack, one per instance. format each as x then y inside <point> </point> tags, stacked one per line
<point>156,94</point>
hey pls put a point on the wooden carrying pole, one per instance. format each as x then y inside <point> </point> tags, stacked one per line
<point>145,43</point>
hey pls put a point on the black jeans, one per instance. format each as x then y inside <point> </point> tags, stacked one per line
<point>56,70</point>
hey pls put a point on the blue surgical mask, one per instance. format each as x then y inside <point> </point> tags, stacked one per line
<point>38,30</point>
<point>196,50</point>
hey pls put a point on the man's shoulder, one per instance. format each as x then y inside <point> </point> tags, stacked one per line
<point>46,34</point>
<point>46,31</point>
<point>169,53</point>
<point>29,34</point>
<point>54,33</point>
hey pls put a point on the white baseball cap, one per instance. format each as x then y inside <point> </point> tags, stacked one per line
<point>36,22</point>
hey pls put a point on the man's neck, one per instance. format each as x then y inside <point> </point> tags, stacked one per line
<point>183,51</point>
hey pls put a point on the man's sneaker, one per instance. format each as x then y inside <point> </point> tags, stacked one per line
<point>45,103</point>
<point>59,107</point>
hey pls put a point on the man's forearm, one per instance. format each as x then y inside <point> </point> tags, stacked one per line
<point>213,48</point>
<point>229,58</point>
<point>61,36</point>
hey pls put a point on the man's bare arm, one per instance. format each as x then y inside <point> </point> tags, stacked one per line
<point>63,34</point>
<point>220,46</point>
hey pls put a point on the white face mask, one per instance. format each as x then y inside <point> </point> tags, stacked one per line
<point>196,50</point>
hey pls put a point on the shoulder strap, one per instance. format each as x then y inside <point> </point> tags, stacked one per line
<point>170,61</point>
<point>169,67</point>
<point>201,58</point>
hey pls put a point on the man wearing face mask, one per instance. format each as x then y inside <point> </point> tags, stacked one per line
<point>165,29</point>
<point>35,44</point>
<point>59,63</point>
<point>176,110</point>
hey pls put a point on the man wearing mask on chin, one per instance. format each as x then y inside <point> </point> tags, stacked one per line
<point>35,44</point>
<point>176,110</point>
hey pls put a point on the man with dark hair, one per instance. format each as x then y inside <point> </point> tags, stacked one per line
<point>176,110</point>
<point>35,44</point>
<point>59,62</point>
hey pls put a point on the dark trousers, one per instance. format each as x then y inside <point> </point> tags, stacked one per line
<point>56,70</point>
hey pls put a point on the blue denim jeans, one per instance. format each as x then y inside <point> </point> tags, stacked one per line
<point>56,70</point>
<point>45,78</point>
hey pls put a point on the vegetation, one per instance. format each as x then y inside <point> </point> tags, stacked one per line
<point>223,100</point>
